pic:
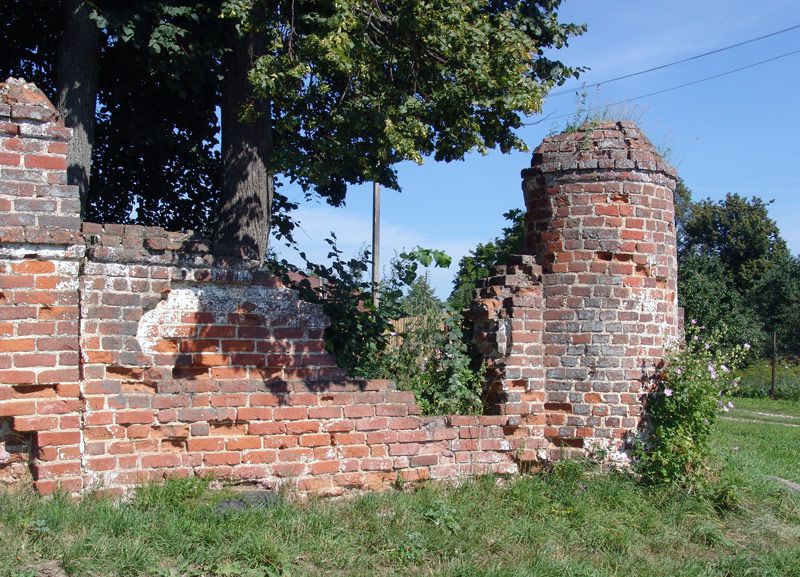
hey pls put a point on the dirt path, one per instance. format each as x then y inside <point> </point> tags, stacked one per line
<point>759,422</point>
<point>775,415</point>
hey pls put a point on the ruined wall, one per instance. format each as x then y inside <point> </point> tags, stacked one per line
<point>131,354</point>
<point>600,224</point>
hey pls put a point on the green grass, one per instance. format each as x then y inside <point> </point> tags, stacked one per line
<point>756,380</point>
<point>570,522</point>
<point>758,438</point>
<point>790,408</point>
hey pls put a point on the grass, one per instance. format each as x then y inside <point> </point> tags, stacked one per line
<point>761,437</point>
<point>572,521</point>
<point>756,380</point>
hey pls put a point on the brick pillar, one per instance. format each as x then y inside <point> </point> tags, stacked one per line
<point>40,252</point>
<point>600,221</point>
<point>508,328</point>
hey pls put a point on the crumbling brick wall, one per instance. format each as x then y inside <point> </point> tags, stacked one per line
<point>600,223</point>
<point>131,353</point>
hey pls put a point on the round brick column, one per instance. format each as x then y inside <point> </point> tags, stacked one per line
<point>601,222</point>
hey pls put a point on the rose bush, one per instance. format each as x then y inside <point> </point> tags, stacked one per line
<point>682,405</point>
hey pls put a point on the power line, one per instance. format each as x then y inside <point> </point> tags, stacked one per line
<point>662,66</point>
<point>670,89</point>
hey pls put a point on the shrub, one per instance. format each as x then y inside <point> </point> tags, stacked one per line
<point>682,407</point>
<point>432,360</point>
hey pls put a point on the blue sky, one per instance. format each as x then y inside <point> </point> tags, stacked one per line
<point>739,133</point>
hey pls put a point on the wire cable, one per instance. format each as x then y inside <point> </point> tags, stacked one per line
<point>662,66</point>
<point>670,89</point>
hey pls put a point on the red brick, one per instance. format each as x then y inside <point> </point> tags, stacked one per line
<point>325,467</point>
<point>17,345</point>
<point>13,377</point>
<point>242,443</point>
<point>47,438</point>
<point>38,423</point>
<point>128,417</point>
<point>222,458</point>
<point>206,444</point>
<point>260,456</point>
<point>290,413</point>
<point>299,427</point>
<point>288,469</point>
<point>315,440</point>
<point>161,460</point>
<point>46,162</point>
<point>17,408</point>
<point>8,159</point>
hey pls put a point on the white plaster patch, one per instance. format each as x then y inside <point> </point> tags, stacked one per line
<point>166,318</point>
<point>40,251</point>
<point>503,333</point>
<point>649,305</point>
<point>607,450</point>
<point>107,269</point>
<point>68,270</point>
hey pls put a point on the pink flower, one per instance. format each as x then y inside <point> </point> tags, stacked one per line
<point>712,371</point>
<point>694,321</point>
<point>747,346</point>
<point>724,369</point>
<point>678,371</point>
<point>667,392</point>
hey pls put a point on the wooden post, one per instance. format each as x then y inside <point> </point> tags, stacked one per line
<point>376,241</point>
<point>772,391</point>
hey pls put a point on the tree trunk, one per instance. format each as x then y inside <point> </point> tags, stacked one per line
<point>247,184</point>
<point>78,72</point>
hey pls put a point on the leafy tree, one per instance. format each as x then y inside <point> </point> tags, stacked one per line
<point>683,210</point>
<point>351,88</point>
<point>708,294</point>
<point>478,263</point>
<point>77,81</point>
<point>343,91</point>
<point>432,359</point>
<point>777,299</point>
<point>738,231</point>
<point>735,268</point>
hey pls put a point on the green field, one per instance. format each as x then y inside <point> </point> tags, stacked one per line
<point>571,522</point>
<point>761,437</point>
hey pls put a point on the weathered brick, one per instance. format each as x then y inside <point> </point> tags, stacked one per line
<point>192,365</point>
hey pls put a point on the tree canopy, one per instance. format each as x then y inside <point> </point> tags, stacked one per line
<point>345,89</point>
<point>478,263</point>
<point>735,268</point>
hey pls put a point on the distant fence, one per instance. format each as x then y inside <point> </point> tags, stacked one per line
<point>403,325</point>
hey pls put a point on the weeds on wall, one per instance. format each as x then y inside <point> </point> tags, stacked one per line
<point>591,112</point>
<point>682,407</point>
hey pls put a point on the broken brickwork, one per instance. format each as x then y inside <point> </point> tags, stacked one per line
<point>600,225</point>
<point>132,354</point>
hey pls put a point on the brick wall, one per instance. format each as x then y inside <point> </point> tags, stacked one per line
<point>131,354</point>
<point>601,222</point>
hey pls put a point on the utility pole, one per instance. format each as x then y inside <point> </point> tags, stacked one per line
<point>376,241</point>
<point>772,391</point>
